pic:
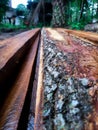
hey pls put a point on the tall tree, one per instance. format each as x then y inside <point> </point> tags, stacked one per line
<point>58,16</point>
<point>82,4</point>
<point>3,8</point>
<point>97,10</point>
<point>34,13</point>
<point>21,9</point>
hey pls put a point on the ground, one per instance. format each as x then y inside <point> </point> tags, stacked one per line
<point>7,34</point>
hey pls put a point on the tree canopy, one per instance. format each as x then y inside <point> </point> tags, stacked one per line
<point>21,9</point>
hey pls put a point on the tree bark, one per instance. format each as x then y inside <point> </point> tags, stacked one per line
<point>35,15</point>
<point>97,11</point>
<point>58,16</point>
<point>81,11</point>
<point>43,6</point>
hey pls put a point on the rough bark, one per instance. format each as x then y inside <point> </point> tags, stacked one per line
<point>34,16</point>
<point>81,10</point>
<point>58,17</point>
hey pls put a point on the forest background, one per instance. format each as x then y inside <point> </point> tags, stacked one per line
<point>73,14</point>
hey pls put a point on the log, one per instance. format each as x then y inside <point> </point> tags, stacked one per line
<point>71,64</point>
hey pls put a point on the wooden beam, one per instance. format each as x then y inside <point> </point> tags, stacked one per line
<point>12,50</point>
<point>11,111</point>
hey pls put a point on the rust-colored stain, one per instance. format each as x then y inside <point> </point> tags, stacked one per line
<point>82,62</point>
<point>85,58</point>
<point>84,55</point>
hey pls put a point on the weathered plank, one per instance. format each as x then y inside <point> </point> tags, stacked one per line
<point>11,111</point>
<point>87,35</point>
<point>33,93</point>
<point>12,50</point>
<point>38,123</point>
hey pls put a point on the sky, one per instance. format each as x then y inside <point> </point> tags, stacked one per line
<point>17,2</point>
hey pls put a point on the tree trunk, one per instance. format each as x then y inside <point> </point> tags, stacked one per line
<point>70,15</point>
<point>43,6</point>
<point>81,10</point>
<point>34,18</point>
<point>97,11</point>
<point>58,16</point>
<point>92,10</point>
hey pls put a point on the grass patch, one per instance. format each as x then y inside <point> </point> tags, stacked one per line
<point>14,27</point>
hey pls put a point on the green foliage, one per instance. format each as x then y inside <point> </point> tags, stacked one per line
<point>3,8</point>
<point>78,13</point>
<point>39,0</point>
<point>77,26</point>
<point>10,26</point>
<point>21,9</point>
<point>81,12</point>
<point>16,27</point>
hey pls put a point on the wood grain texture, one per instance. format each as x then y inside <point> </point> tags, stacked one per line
<point>38,124</point>
<point>11,111</point>
<point>84,52</point>
<point>12,50</point>
<point>87,35</point>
